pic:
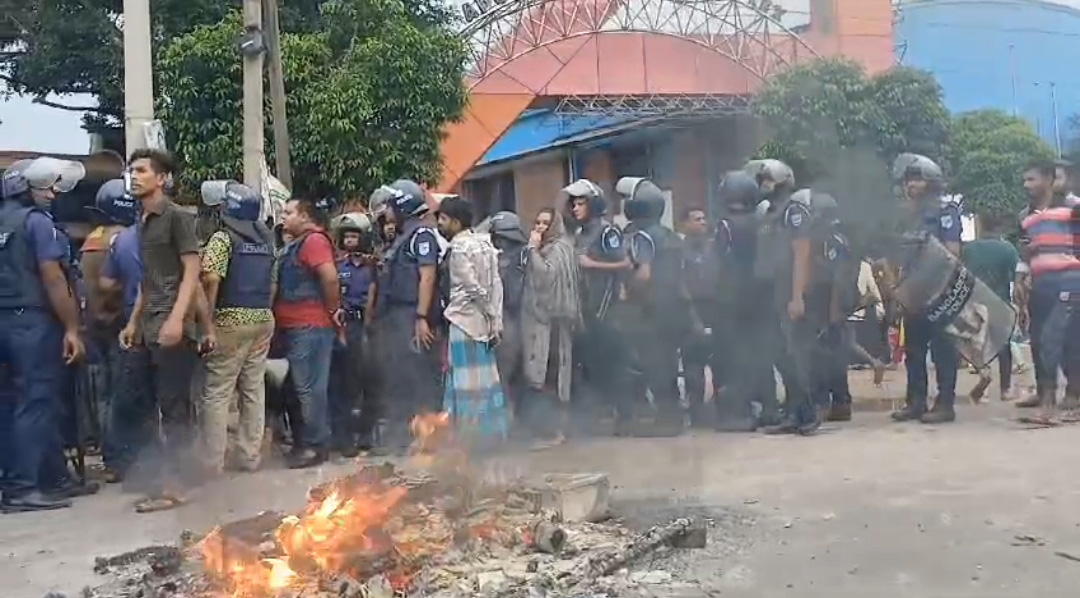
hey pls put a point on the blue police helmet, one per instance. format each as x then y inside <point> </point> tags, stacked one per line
<point>14,183</point>
<point>237,200</point>
<point>115,203</point>
<point>408,200</point>
<point>739,189</point>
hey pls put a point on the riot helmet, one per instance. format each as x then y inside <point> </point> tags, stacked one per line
<point>918,176</point>
<point>42,178</point>
<point>772,176</point>
<point>15,184</point>
<point>739,192</point>
<point>354,222</point>
<point>407,200</point>
<point>588,191</point>
<point>644,201</point>
<point>379,201</point>
<point>503,226</point>
<point>115,204</point>
<point>235,199</point>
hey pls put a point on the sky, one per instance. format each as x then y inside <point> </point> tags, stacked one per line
<point>32,127</point>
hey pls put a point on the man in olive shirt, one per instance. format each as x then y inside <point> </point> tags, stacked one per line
<point>993,260</point>
<point>161,322</point>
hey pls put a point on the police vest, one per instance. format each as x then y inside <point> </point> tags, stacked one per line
<point>295,281</point>
<point>20,282</point>
<point>598,287</point>
<point>402,270</point>
<point>251,263</point>
<point>736,248</point>
<point>667,266</point>
<point>834,272</point>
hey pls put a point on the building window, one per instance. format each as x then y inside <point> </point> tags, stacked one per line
<point>492,194</point>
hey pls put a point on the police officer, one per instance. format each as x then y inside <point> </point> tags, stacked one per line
<point>701,272</point>
<point>509,239</point>
<point>132,426</point>
<point>832,296</point>
<point>39,327</point>
<point>784,259</point>
<point>742,363</point>
<point>116,210</point>
<point>603,260</point>
<point>922,185</point>
<point>661,314</point>
<point>237,276</point>
<point>408,313</point>
<point>353,405</point>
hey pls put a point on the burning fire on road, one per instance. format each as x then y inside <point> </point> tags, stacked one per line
<point>431,527</point>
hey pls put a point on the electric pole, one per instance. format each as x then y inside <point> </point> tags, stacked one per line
<point>277,94</point>
<point>138,74</point>
<point>251,49</point>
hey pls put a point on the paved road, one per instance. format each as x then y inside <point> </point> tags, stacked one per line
<point>865,509</point>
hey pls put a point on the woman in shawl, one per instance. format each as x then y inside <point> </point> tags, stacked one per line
<point>551,312</point>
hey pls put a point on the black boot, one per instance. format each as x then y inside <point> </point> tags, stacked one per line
<point>786,426</point>
<point>839,412</point>
<point>942,413</point>
<point>305,458</point>
<point>910,412</point>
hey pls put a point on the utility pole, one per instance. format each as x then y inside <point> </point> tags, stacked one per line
<point>1057,124</point>
<point>138,74</point>
<point>1012,77</point>
<point>251,49</point>
<point>277,95</point>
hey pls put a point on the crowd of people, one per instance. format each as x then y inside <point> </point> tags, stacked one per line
<point>222,332</point>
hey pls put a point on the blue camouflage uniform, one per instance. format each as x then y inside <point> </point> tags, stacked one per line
<point>348,388</point>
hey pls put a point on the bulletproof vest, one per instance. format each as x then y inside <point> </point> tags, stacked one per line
<point>295,281</point>
<point>402,272</point>
<point>20,281</point>
<point>736,246</point>
<point>251,263</point>
<point>667,266</point>
<point>355,283</point>
<point>598,287</point>
<point>512,273</point>
<point>701,271</point>
<point>834,271</point>
<point>773,249</point>
<point>102,308</point>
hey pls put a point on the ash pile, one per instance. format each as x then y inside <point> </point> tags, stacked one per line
<point>430,528</point>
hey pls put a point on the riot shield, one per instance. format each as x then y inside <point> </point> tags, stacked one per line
<point>934,282</point>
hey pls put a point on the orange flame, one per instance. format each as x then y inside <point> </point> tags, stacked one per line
<point>347,522</point>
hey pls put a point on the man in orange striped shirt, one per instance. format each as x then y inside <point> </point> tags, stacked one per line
<point>1051,250</point>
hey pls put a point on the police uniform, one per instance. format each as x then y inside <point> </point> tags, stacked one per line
<point>786,223</point>
<point>940,220</point>
<point>701,277</point>
<point>659,311</point>
<point>830,299</point>
<point>31,346</point>
<point>600,346</point>
<point>743,330</point>
<point>413,376</point>
<point>349,390</point>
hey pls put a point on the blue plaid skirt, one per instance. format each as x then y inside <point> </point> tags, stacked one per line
<point>474,396</point>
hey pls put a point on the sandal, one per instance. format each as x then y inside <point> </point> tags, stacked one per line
<point>154,504</point>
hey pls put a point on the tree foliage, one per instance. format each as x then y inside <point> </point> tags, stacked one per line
<point>66,47</point>
<point>367,93</point>
<point>989,151</point>
<point>824,111</point>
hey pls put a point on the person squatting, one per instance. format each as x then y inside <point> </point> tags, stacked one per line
<point>228,333</point>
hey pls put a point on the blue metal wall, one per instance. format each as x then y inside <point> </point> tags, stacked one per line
<point>1005,54</point>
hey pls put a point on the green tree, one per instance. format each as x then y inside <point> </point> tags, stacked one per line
<point>989,151</point>
<point>60,47</point>
<point>824,111</point>
<point>367,93</point>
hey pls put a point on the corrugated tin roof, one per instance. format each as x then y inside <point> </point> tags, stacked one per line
<point>538,130</point>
